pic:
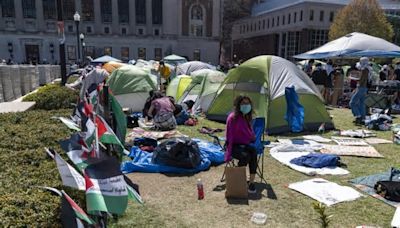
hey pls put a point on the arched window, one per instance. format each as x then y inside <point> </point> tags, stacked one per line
<point>197,20</point>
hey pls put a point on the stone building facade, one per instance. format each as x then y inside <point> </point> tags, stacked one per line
<point>125,29</point>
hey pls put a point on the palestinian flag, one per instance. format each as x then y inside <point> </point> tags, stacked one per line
<point>90,133</point>
<point>106,134</point>
<point>76,152</point>
<point>71,214</point>
<point>69,176</point>
<point>106,189</point>
<point>133,190</point>
<point>93,94</point>
<point>69,123</point>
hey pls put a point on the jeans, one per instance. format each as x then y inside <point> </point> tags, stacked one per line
<point>357,102</point>
<point>246,154</point>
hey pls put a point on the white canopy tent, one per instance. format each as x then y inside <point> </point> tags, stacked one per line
<point>353,45</point>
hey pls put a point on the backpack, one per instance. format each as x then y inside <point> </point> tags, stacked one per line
<point>389,190</point>
<point>177,152</point>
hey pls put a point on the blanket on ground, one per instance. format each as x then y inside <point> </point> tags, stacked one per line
<point>357,133</point>
<point>359,151</point>
<point>142,161</point>
<point>367,183</point>
<point>286,152</point>
<point>138,132</point>
<point>325,191</point>
<point>377,141</point>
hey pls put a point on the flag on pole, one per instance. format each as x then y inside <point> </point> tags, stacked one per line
<point>69,176</point>
<point>76,152</point>
<point>106,189</point>
<point>106,134</point>
<point>71,214</point>
<point>69,123</point>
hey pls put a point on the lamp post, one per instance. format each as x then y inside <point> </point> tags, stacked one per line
<point>77,19</point>
<point>84,52</point>
<point>82,37</point>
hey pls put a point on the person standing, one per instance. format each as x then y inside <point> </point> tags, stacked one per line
<point>397,71</point>
<point>337,81</point>
<point>308,68</point>
<point>357,101</point>
<point>384,73</point>
<point>165,73</point>
<point>320,77</point>
<point>240,135</point>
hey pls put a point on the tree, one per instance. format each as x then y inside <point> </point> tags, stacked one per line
<point>365,16</point>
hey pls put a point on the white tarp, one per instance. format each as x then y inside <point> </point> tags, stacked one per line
<point>325,191</point>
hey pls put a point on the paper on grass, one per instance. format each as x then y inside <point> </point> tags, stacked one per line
<point>345,141</point>
<point>325,191</point>
<point>317,138</point>
<point>396,218</point>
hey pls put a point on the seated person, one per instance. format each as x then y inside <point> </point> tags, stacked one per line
<point>239,136</point>
<point>180,114</point>
<point>152,96</point>
<point>162,111</point>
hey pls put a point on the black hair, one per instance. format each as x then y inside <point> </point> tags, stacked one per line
<point>236,106</point>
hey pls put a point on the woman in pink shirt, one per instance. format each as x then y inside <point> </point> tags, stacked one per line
<point>162,111</point>
<point>239,136</point>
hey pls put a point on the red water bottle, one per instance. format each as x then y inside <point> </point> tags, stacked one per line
<point>200,190</point>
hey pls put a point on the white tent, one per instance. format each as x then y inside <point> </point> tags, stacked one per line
<point>105,59</point>
<point>353,45</point>
<point>189,67</point>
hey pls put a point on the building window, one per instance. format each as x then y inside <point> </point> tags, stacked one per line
<point>106,11</point>
<point>156,32</point>
<point>107,30</point>
<point>196,19</point>
<point>318,38</point>
<point>108,51</point>
<point>247,27</point>
<point>87,10</point>
<point>68,9</point>
<point>289,19</point>
<point>140,12</point>
<point>7,8</point>
<point>158,54</point>
<point>295,17</point>
<point>123,11</point>
<point>293,44</point>
<point>321,15</point>
<point>277,21</point>
<point>259,25</point>
<point>125,53</point>
<point>70,28</point>
<point>331,16</point>
<point>264,24</point>
<point>29,8</point>
<point>71,52</point>
<point>88,29</point>
<point>268,23</point>
<point>89,51</point>
<point>123,31</point>
<point>49,9</point>
<point>196,55</point>
<point>283,20</point>
<point>156,11</point>
<point>141,53</point>
<point>273,22</point>
<point>301,15</point>
<point>311,15</point>
<point>140,31</point>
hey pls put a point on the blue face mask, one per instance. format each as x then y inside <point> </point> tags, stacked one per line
<point>245,108</point>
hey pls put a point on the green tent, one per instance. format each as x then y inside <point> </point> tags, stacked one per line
<point>264,79</point>
<point>203,88</point>
<point>178,85</point>
<point>131,85</point>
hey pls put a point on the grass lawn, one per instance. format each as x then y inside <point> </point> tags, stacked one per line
<point>171,201</point>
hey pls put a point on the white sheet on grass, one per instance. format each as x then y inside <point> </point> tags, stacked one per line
<point>396,218</point>
<point>317,138</point>
<point>285,153</point>
<point>325,191</point>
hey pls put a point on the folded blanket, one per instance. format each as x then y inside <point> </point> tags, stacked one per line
<point>325,191</point>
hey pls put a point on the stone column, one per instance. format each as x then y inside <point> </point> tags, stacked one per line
<point>132,17</point>
<point>149,18</point>
<point>98,28</point>
<point>19,19</point>
<point>115,18</point>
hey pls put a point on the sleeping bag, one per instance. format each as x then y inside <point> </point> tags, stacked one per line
<point>316,160</point>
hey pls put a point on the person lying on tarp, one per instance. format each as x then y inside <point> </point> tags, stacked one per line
<point>239,136</point>
<point>162,112</point>
<point>181,115</point>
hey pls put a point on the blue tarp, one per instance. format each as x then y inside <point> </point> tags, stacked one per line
<point>142,161</point>
<point>294,111</point>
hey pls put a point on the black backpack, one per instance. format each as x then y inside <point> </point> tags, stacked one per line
<point>389,190</point>
<point>177,152</point>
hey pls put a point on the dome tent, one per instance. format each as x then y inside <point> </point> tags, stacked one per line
<point>178,85</point>
<point>203,88</point>
<point>131,85</point>
<point>264,79</point>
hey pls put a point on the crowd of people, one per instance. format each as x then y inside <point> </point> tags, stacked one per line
<point>331,81</point>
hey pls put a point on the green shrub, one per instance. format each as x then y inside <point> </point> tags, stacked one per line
<point>53,96</point>
<point>25,165</point>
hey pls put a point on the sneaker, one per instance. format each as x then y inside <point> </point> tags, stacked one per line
<point>252,188</point>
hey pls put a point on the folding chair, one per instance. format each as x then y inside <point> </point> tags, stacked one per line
<point>258,128</point>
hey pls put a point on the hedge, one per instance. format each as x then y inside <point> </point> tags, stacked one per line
<point>24,165</point>
<point>53,96</point>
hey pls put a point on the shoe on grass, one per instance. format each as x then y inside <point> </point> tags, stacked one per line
<point>252,188</point>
